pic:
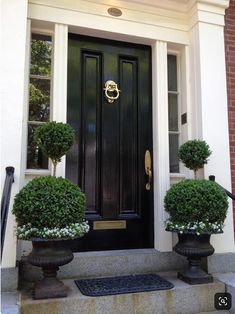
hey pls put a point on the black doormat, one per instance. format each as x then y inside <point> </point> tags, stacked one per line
<point>122,284</point>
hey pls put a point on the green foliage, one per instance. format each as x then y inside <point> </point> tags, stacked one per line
<point>49,202</point>
<point>38,103</point>
<point>194,154</point>
<point>54,139</point>
<point>196,201</point>
<point>40,57</point>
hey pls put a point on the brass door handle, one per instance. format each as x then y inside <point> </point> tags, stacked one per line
<point>148,169</point>
<point>111,91</point>
<point>148,184</point>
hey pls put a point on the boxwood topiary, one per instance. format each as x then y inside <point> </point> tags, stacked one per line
<point>199,203</point>
<point>194,154</point>
<point>54,139</point>
<point>49,202</point>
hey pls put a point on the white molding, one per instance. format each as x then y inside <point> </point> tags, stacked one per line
<point>26,100</point>
<point>37,172</point>
<point>144,11</point>
<point>207,12</point>
<point>132,24</point>
<point>209,116</point>
<point>215,4</point>
<point>13,40</point>
<point>163,239</point>
<point>59,98</point>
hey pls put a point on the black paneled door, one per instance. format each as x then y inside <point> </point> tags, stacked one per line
<point>112,137</point>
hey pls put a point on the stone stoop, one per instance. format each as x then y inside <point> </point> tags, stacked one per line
<point>110,263</point>
<point>215,312</point>
<point>229,280</point>
<point>182,299</point>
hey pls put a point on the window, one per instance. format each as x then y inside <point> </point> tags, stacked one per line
<point>173,113</point>
<point>39,96</point>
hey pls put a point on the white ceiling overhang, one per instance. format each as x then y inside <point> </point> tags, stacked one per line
<point>178,5</point>
<point>155,16</point>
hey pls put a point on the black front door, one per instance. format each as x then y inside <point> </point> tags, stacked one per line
<point>112,137</point>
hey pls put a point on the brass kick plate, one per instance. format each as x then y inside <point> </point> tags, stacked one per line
<point>109,224</point>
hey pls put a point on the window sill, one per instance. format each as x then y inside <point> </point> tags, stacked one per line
<point>37,172</point>
<point>176,177</point>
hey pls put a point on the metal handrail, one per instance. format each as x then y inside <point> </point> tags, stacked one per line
<point>232,196</point>
<point>6,195</point>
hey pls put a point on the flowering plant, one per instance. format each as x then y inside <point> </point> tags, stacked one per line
<point>75,230</point>
<point>197,227</point>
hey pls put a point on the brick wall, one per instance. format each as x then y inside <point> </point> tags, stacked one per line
<point>230,68</point>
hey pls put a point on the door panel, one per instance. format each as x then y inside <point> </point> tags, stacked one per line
<point>107,160</point>
<point>128,138</point>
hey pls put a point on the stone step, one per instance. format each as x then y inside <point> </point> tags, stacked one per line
<point>182,299</point>
<point>111,263</point>
<point>214,312</point>
<point>229,280</point>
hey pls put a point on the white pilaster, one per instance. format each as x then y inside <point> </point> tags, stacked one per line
<point>209,108</point>
<point>13,53</point>
<point>163,239</point>
<point>59,98</point>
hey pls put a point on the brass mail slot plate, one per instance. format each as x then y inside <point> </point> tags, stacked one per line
<point>109,224</point>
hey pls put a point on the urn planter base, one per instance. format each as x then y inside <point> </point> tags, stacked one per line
<point>194,274</point>
<point>194,247</point>
<point>49,255</point>
<point>49,286</point>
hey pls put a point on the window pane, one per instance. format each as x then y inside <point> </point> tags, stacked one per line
<point>39,100</point>
<point>173,112</point>
<point>173,145</point>
<point>172,73</point>
<point>35,158</point>
<point>41,47</point>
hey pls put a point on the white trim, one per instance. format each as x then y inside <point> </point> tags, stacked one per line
<point>59,98</point>
<point>209,116</point>
<point>26,97</point>
<point>90,21</point>
<point>37,172</point>
<point>13,40</point>
<point>163,239</point>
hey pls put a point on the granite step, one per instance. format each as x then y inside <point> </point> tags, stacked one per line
<point>111,263</point>
<point>215,312</point>
<point>182,299</point>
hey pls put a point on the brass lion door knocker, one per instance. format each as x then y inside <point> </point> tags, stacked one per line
<point>111,91</point>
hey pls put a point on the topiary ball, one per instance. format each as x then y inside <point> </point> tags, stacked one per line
<point>194,154</point>
<point>196,201</point>
<point>49,202</point>
<point>54,139</point>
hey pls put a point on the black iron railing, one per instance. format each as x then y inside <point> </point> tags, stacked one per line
<point>232,196</point>
<point>6,195</point>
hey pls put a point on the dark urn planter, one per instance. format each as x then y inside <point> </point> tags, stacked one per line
<point>49,255</point>
<point>194,247</point>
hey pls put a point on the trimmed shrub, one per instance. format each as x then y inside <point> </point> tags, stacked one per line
<point>194,201</point>
<point>54,139</point>
<point>49,202</point>
<point>194,154</point>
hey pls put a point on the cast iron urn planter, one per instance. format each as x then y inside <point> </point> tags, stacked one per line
<point>49,255</point>
<point>194,247</point>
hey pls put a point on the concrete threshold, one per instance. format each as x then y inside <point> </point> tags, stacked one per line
<point>182,299</point>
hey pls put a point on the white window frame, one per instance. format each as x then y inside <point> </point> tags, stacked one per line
<point>32,30</point>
